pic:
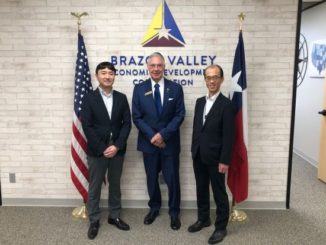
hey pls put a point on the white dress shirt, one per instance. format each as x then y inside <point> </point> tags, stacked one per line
<point>209,103</point>
<point>108,100</point>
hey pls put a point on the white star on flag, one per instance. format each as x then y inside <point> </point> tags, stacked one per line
<point>235,87</point>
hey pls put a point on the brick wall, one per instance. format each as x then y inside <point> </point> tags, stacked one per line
<point>38,41</point>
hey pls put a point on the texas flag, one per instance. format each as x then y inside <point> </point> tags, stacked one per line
<point>238,171</point>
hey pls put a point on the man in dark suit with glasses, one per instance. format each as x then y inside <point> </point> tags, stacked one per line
<point>212,141</point>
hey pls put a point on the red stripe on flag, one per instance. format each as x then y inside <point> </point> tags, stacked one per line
<point>79,137</point>
<point>80,163</point>
<point>83,192</point>
<point>238,170</point>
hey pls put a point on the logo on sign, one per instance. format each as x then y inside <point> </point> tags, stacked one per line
<point>163,30</point>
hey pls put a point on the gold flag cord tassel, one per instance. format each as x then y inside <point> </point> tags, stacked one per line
<point>79,212</point>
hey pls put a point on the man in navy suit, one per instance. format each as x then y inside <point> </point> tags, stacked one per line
<point>212,141</point>
<point>106,122</point>
<point>158,111</point>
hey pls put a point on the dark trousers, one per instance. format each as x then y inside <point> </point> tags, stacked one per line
<point>204,174</point>
<point>169,165</point>
<point>97,167</point>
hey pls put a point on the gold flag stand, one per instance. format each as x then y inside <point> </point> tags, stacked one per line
<point>79,212</point>
<point>238,215</point>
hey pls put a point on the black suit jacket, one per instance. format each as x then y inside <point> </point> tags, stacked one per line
<point>98,125</point>
<point>214,139</point>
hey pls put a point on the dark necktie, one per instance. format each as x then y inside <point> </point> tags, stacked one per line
<point>157,98</point>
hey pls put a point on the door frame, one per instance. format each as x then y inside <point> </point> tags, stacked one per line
<point>294,97</point>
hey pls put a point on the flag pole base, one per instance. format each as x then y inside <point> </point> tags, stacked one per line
<point>238,215</point>
<point>80,212</point>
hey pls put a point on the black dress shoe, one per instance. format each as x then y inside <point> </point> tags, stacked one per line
<point>150,217</point>
<point>199,225</point>
<point>93,230</point>
<point>119,223</point>
<point>175,223</point>
<point>217,236</point>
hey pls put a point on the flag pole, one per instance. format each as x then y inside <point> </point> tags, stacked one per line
<point>79,212</point>
<point>238,215</point>
<point>241,17</point>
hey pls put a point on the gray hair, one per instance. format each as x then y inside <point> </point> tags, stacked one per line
<point>155,54</point>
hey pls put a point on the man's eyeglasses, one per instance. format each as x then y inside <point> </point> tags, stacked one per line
<point>213,78</point>
<point>159,66</point>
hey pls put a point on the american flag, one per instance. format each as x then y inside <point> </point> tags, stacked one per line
<point>79,168</point>
<point>238,171</point>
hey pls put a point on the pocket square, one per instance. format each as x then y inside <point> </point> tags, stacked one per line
<point>171,99</point>
<point>148,93</point>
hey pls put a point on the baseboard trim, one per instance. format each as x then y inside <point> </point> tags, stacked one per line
<point>31,202</point>
<point>305,157</point>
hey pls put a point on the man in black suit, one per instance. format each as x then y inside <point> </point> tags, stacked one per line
<point>158,111</point>
<point>106,122</point>
<point>212,140</point>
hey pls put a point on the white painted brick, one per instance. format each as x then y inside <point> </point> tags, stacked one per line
<point>38,44</point>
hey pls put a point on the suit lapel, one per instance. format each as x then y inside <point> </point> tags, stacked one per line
<point>166,94</point>
<point>214,108</point>
<point>115,104</point>
<point>148,93</point>
<point>200,113</point>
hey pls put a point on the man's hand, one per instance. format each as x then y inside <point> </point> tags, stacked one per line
<point>223,168</point>
<point>111,151</point>
<point>162,145</point>
<point>158,141</point>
